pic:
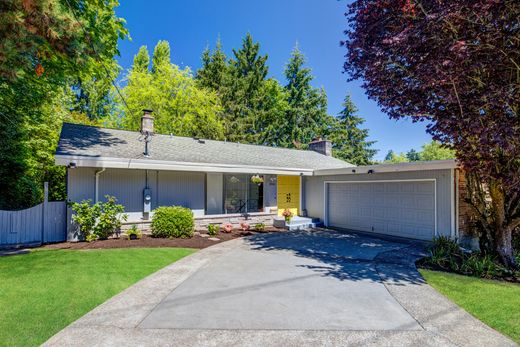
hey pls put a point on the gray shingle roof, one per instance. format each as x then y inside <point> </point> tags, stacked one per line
<point>89,141</point>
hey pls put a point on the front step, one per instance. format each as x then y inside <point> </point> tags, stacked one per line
<point>297,223</point>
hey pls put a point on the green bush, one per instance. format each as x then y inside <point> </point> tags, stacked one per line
<point>260,227</point>
<point>481,265</point>
<point>100,220</point>
<point>172,221</point>
<point>213,229</point>
<point>446,254</point>
<point>85,216</point>
<point>134,231</point>
<point>110,218</point>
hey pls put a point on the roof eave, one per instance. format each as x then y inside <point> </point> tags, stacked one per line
<point>400,167</point>
<point>150,164</point>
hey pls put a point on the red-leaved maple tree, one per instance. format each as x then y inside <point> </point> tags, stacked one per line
<point>455,64</point>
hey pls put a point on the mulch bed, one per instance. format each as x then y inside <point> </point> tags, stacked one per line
<point>424,264</point>
<point>146,241</point>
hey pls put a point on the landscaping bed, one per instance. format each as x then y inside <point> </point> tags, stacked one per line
<point>447,256</point>
<point>199,240</point>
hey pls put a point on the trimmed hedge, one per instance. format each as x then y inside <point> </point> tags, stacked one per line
<point>172,221</point>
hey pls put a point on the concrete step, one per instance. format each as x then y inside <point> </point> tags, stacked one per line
<point>296,223</point>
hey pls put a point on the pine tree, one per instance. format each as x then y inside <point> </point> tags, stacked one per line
<point>214,70</point>
<point>349,140</point>
<point>242,100</point>
<point>307,116</point>
<point>413,155</point>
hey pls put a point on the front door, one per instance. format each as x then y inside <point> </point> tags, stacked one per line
<point>288,194</point>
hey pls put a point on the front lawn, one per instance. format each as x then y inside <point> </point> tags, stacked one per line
<point>44,291</point>
<point>494,303</point>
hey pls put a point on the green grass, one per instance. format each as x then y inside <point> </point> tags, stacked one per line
<point>43,291</point>
<point>494,303</point>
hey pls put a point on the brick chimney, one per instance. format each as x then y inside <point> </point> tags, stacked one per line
<point>321,146</point>
<point>147,123</point>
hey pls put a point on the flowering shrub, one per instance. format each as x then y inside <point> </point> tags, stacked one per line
<point>244,226</point>
<point>227,227</point>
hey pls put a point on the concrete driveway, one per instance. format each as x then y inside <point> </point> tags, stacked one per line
<point>299,288</point>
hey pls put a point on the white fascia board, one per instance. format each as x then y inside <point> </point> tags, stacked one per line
<point>400,167</point>
<point>147,164</point>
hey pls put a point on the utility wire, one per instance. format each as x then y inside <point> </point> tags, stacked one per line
<point>97,54</point>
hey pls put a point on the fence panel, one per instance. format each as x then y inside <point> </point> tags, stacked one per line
<point>55,222</point>
<point>23,227</point>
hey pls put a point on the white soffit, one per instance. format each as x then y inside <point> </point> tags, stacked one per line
<point>147,164</point>
<point>400,167</point>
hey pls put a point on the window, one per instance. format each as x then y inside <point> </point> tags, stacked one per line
<point>241,195</point>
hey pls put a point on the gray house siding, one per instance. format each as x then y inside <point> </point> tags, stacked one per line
<point>168,188</point>
<point>182,188</point>
<point>314,192</point>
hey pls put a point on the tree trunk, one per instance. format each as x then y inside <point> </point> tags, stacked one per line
<point>502,225</point>
<point>504,248</point>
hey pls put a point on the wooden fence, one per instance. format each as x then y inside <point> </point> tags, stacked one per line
<point>43,223</point>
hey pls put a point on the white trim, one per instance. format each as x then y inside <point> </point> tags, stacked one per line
<point>122,163</point>
<point>326,198</point>
<point>400,167</point>
<point>300,203</point>
<point>96,175</point>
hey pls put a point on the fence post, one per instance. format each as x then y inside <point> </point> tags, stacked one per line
<point>44,207</point>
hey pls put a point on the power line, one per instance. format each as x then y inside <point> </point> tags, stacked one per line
<point>97,54</point>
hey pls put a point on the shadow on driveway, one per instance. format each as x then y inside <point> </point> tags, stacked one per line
<point>349,255</point>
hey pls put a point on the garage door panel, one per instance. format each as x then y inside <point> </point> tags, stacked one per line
<point>395,208</point>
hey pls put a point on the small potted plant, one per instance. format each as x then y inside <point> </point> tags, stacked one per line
<point>257,179</point>
<point>227,227</point>
<point>244,226</point>
<point>133,233</point>
<point>213,229</point>
<point>287,214</point>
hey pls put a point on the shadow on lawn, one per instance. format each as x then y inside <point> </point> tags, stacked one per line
<point>348,255</point>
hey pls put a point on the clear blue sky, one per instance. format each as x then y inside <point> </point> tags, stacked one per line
<point>316,25</point>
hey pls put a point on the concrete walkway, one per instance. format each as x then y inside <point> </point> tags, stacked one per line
<point>287,289</point>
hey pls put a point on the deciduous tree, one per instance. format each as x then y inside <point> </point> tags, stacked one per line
<point>455,64</point>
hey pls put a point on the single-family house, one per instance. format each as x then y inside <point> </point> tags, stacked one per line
<point>227,182</point>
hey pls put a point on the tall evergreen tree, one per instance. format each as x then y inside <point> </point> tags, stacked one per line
<point>214,70</point>
<point>413,155</point>
<point>349,140</point>
<point>248,70</point>
<point>307,116</point>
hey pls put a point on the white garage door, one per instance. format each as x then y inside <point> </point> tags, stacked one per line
<point>405,209</point>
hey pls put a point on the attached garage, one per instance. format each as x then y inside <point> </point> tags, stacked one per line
<point>412,200</point>
<point>398,208</point>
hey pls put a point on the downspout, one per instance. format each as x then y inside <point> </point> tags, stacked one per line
<point>98,172</point>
